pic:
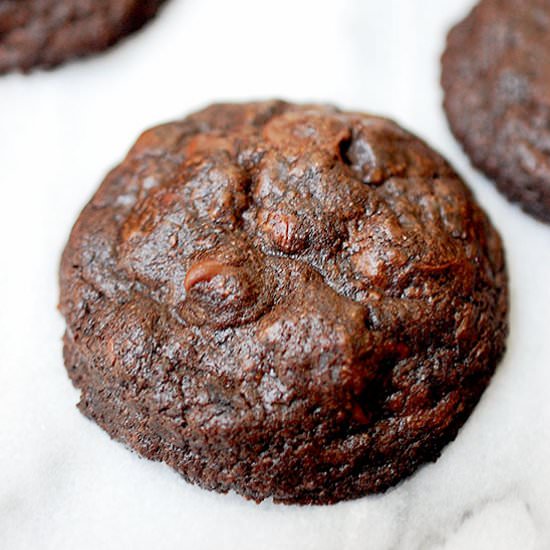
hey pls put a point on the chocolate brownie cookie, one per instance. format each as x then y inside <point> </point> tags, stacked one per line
<point>496,77</point>
<point>288,301</point>
<point>45,33</point>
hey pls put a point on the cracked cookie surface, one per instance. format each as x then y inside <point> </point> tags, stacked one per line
<point>45,33</point>
<point>288,301</point>
<point>496,78</point>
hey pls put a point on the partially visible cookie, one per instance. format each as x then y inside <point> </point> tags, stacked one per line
<point>45,33</point>
<point>496,78</point>
<point>289,301</point>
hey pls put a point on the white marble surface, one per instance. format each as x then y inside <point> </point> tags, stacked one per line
<point>63,483</point>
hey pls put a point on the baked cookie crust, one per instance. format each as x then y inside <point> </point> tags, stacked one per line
<point>46,33</point>
<point>287,301</point>
<point>496,78</point>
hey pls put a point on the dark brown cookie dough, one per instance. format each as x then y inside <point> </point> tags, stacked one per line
<point>496,77</point>
<point>289,301</point>
<point>45,33</point>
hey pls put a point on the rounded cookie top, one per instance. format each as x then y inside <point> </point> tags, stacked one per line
<point>45,33</point>
<point>290,301</point>
<point>496,79</point>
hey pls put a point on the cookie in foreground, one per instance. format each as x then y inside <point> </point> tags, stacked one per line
<point>287,301</point>
<point>45,33</point>
<point>496,79</point>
